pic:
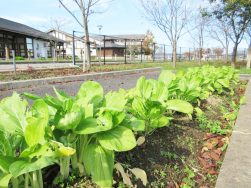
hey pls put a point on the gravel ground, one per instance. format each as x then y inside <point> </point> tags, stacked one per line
<point>109,83</point>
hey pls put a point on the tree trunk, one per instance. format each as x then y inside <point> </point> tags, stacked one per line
<point>174,54</point>
<point>7,53</point>
<point>233,62</point>
<point>249,58</point>
<point>200,55</point>
<point>226,58</point>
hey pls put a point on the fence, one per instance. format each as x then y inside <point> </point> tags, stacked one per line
<point>107,49</point>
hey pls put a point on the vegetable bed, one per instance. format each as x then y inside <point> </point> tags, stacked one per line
<point>169,132</point>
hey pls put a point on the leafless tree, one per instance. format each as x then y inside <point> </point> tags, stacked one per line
<point>87,8</point>
<point>221,31</point>
<point>57,24</point>
<point>197,28</point>
<point>170,16</point>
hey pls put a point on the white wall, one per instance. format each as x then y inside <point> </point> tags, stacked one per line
<point>40,48</point>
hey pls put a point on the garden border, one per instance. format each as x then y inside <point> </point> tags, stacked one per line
<point>236,168</point>
<point>5,86</point>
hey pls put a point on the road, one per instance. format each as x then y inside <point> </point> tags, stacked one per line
<point>109,83</point>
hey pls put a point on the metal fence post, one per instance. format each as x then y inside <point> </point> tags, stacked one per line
<point>14,61</point>
<point>189,56</point>
<point>180,54</point>
<point>154,52</point>
<point>141,51</point>
<point>104,50</point>
<point>125,51</point>
<point>164,52</point>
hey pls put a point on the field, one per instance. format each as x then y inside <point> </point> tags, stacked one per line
<point>170,131</point>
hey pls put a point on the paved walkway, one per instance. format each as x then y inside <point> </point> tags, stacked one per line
<point>10,67</point>
<point>109,83</point>
<point>236,169</point>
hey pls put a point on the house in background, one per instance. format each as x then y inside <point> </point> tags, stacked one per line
<point>26,41</point>
<point>115,45</point>
<point>68,45</point>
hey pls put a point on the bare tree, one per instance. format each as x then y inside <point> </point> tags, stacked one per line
<point>221,31</point>
<point>197,28</point>
<point>57,24</point>
<point>87,8</point>
<point>218,52</point>
<point>170,16</point>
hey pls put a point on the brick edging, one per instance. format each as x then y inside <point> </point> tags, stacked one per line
<point>4,86</point>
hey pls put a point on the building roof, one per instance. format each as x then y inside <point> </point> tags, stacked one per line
<point>120,37</point>
<point>111,45</point>
<point>15,27</point>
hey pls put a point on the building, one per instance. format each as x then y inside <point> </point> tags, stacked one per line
<point>26,41</point>
<point>115,45</point>
<point>68,45</point>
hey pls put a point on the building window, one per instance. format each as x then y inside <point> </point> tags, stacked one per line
<point>29,44</point>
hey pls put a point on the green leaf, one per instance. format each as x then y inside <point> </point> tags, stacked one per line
<point>61,95</point>
<point>99,163</point>
<point>4,180</point>
<point>35,131</point>
<point>115,101</point>
<point>69,121</point>
<point>12,114</point>
<point>179,106</point>
<point>92,91</point>
<point>40,109</point>
<point>5,162</point>
<point>22,166</point>
<point>166,76</point>
<point>88,126</point>
<point>224,82</point>
<point>144,87</point>
<point>117,139</point>
<point>31,96</point>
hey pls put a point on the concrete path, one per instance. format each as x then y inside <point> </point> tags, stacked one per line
<point>40,66</point>
<point>109,82</point>
<point>236,169</point>
<point>19,67</point>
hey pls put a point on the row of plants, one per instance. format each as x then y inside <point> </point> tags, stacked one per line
<point>83,133</point>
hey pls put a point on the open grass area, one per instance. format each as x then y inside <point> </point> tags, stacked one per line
<point>36,74</point>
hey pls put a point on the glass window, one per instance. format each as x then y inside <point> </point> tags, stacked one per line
<point>28,40</point>
<point>29,46</point>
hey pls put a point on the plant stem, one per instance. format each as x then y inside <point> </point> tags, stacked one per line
<point>74,159</point>
<point>65,167</point>
<point>35,181</point>
<point>40,178</point>
<point>14,182</point>
<point>26,180</point>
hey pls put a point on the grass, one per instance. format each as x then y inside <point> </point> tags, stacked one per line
<point>35,74</point>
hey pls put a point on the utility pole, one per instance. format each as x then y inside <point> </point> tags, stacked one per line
<point>141,51</point>
<point>100,28</point>
<point>125,51</point>
<point>104,50</point>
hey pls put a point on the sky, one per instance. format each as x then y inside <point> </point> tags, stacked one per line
<point>119,17</point>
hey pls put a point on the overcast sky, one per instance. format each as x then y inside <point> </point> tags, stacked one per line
<point>120,17</point>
